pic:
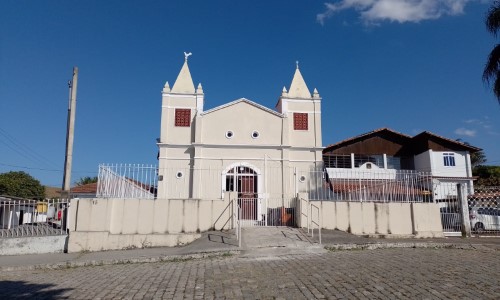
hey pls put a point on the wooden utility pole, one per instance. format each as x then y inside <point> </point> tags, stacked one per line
<point>70,133</point>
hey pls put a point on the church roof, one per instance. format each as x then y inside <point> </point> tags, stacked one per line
<point>184,83</point>
<point>298,88</point>
<point>244,100</point>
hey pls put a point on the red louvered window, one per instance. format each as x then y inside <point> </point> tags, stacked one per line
<point>300,121</point>
<point>182,117</point>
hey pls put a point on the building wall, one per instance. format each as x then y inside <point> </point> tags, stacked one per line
<point>104,224</point>
<point>439,169</point>
<point>367,218</point>
<point>423,161</point>
<point>242,119</point>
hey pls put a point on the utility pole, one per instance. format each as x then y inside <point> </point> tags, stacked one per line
<point>70,133</point>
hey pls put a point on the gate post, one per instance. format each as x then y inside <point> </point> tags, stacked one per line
<point>302,214</point>
<point>464,210</point>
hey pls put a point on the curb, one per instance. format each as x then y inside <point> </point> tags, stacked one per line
<point>92,263</point>
<point>374,246</point>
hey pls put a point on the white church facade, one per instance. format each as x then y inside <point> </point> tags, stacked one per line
<point>240,146</point>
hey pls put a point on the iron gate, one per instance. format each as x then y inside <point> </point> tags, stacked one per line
<point>254,212</point>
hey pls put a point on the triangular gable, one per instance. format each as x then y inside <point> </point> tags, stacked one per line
<point>243,100</point>
<point>436,142</point>
<point>366,136</point>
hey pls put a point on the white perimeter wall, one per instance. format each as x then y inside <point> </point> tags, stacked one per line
<point>104,224</point>
<point>368,218</point>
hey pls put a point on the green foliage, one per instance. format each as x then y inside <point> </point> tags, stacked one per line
<point>491,73</point>
<point>86,180</point>
<point>488,175</point>
<point>21,184</point>
<point>477,159</point>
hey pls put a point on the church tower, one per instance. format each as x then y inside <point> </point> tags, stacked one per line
<point>181,107</point>
<point>303,111</point>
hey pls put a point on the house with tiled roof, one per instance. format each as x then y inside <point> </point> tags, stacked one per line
<point>88,190</point>
<point>385,154</point>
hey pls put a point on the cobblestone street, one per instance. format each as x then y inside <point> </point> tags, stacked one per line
<point>365,274</point>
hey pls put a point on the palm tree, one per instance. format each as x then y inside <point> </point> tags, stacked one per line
<point>491,71</point>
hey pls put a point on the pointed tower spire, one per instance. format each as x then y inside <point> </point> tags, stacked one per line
<point>166,88</point>
<point>315,93</point>
<point>184,83</point>
<point>284,92</point>
<point>199,89</point>
<point>298,88</point>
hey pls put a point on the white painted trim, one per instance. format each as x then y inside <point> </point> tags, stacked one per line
<point>174,145</point>
<point>303,100</point>
<point>304,111</point>
<point>185,107</point>
<point>255,137</point>
<point>240,158</point>
<point>236,146</point>
<point>246,101</point>
<point>172,95</point>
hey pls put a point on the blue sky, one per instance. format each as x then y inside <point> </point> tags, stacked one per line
<point>409,65</point>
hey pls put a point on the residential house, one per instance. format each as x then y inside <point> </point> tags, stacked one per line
<point>385,154</point>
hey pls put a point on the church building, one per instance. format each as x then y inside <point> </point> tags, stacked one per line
<point>241,146</point>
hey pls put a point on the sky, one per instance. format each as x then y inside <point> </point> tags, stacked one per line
<point>410,65</point>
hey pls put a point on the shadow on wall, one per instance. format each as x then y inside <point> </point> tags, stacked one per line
<point>26,290</point>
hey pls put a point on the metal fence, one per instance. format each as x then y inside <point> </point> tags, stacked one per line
<point>127,181</point>
<point>24,218</point>
<point>256,212</point>
<point>147,181</point>
<point>370,186</point>
<point>484,211</point>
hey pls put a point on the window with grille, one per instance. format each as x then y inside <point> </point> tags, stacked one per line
<point>300,121</point>
<point>182,117</point>
<point>337,161</point>
<point>449,159</point>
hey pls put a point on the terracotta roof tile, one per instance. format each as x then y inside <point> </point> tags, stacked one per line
<point>90,188</point>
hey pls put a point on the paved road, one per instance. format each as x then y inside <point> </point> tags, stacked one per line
<point>364,274</point>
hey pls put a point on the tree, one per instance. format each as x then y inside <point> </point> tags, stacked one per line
<point>21,184</point>
<point>86,180</point>
<point>477,158</point>
<point>488,175</point>
<point>491,73</point>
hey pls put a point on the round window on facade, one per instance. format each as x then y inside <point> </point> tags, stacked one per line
<point>302,178</point>
<point>179,174</point>
<point>255,134</point>
<point>229,134</point>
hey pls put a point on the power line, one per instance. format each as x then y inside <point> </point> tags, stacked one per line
<point>23,150</point>
<point>42,169</point>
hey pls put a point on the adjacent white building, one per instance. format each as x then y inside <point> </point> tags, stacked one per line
<point>385,154</point>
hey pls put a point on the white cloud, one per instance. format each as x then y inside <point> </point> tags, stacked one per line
<point>373,11</point>
<point>466,132</point>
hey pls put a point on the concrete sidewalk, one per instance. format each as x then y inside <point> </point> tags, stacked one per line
<point>256,242</point>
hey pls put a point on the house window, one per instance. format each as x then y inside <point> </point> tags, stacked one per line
<point>360,160</point>
<point>300,121</point>
<point>449,159</point>
<point>182,117</point>
<point>337,161</point>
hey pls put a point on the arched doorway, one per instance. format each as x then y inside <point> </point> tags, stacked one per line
<point>245,181</point>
